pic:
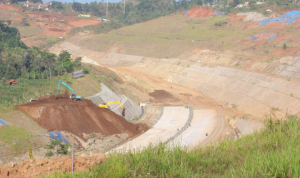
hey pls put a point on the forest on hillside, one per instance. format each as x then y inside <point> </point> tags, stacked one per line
<point>17,60</point>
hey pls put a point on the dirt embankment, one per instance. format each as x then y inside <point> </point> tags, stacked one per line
<point>59,112</point>
<point>37,168</point>
<point>201,12</point>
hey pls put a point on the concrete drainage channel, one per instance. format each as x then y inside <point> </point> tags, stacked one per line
<point>187,124</point>
<point>164,131</point>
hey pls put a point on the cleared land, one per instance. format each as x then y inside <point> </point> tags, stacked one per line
<point>172,36</point>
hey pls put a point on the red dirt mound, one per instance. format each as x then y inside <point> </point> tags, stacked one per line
<point>59,112</point>
<point>201,12</point>
<point>162,95</point>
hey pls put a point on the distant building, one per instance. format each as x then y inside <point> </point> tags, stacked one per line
<point>242,5</point>
<point>36,5</point>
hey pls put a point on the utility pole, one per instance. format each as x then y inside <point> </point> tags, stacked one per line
<point>107,10</point>
<point>124,6</point>
<point>73,157</point>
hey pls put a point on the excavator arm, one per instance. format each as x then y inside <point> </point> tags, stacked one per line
<point>113,102</point>
<point>73,96</point>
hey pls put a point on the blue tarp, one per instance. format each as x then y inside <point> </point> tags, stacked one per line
<point>185,13</point>
<point>262,36</point>
<point>56,135</point>
<point>287,18</point>
<point>2,122</point>
<point>219,13</point>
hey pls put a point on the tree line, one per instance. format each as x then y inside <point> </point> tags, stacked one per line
<point>18,60</point>
<point>136,11</point>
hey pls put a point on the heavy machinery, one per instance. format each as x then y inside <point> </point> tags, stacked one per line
<point>113,102</point>
<point>82,15</point>
<point>73,96</point>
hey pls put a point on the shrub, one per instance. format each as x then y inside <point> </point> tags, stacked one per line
<point>220,23</point>
<point>86,71</point>
<point>284,46</point>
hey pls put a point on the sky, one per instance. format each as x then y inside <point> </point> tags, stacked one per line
<point>82,1</point>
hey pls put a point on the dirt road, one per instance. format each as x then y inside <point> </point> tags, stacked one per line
<point>171,121</point>
<point>194,98</point>
<point>220,123</point>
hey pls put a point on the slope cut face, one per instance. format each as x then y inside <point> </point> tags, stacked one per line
<point>201,12</point>
<point>59,112</point>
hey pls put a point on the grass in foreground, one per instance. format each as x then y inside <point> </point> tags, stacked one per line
<point>272,152</point>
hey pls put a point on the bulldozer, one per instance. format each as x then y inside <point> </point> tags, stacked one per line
<point>113,102</point>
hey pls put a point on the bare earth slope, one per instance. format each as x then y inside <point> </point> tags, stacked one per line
<point>59,112</point>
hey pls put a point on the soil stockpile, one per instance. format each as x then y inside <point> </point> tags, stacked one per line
<point>59,112</point>
<point>163,96</point>
<point>201,12</point>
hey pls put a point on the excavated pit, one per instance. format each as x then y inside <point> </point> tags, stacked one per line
<point>59,112</point>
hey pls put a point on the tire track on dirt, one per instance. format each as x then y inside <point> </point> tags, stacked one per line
<point>220,125</point>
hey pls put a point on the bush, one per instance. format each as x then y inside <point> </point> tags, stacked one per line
<point>61,148</point>
<point>219,24</point>
<point>86,71</point>
<point>284,46</point>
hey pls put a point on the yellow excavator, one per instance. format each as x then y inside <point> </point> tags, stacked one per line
<point>113,102</point>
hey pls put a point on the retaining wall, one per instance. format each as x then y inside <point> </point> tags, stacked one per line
<point>292,70</point>
<point>250,92</point>
<point>131,109</point>
<point>114,58</point>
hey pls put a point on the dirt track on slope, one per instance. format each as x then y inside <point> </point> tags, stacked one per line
<point>59,112</point>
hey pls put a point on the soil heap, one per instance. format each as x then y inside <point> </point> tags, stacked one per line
<point>59,112</point>
<point>163,96</point>
<point>201,12</point>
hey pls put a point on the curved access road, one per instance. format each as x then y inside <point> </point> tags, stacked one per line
<point>196,99</point>
<point>219,124</point>
<point>204,121</point>
<point>172,120</point>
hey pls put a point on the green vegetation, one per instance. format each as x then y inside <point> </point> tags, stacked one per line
<point>171,36</point>
<point>10,37</point>
<point>8,134</point>
<point>272,152</point>
<point>220,23</point>
<point>33,68</point>
<point>284,46</point>
<point>60,148</point>
<point>17,60</point>
<point>25,90</point>
<point>136,11</point>
<point>50,41</point>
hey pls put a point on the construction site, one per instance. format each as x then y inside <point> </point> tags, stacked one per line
<point>183,80</point>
